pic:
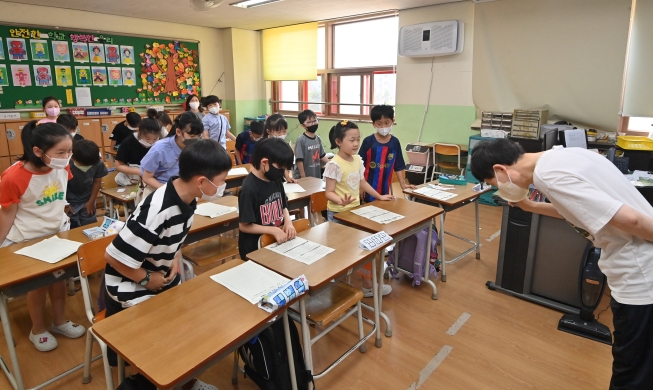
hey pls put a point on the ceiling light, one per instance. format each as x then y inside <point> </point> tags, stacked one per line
<point>253,3</point>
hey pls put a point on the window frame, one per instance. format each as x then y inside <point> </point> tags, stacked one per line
<point>330,82</point>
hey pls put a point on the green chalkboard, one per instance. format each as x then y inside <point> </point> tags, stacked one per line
<point>119,70</point>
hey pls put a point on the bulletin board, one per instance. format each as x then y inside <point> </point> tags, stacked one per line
<point>118,70</point>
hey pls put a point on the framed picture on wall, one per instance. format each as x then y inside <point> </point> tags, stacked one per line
<point>127,53</point>
<point>83,75</point>
<point>96,51</point>
<point>63,75</point>
<point>21,75</point>
<point>60,51</point>
<point>80,52</point>
<point>40,50</point>
<point>128,77</point>
<point>4,76</point>
<point>99,74</point>
<point>42,75</point>
<point>16,49</point>
<point>112,54</point>
<point>2,50</point>
<point>115,76</point>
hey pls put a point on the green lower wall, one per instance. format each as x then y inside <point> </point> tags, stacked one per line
<point>239,109</point>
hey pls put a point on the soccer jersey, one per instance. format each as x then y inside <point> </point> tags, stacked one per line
<point>245,147</point>
<point>380,161</point>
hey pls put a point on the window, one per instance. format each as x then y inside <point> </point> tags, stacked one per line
<point>355,81</point>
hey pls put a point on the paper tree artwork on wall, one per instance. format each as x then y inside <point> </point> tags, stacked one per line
<point>169,70</point>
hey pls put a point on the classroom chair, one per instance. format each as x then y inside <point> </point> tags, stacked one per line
<point>206,254</point>
<point>109,181</point>
<point>90,260</point>
<point>318,204</point>
<point>442,166</point>
<point>231,146</point>
<point>232,155</point>
<point>330,307</point>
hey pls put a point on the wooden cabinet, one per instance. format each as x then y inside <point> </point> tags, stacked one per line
<point>108,125</point>
<point>4,147</point>
<point>13,132</point>
<point>5,162</point>
<point>91,130</point>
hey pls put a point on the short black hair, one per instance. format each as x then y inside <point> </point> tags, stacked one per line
<point>149,126</point>
<point>488,153</point>
<point>211,99</point>
<point>276,150</point>
<point>256,127</point>
<point>68,121</point>
<point>49,99</point>
<point>275,122</point>
<point>164,118</point>
<point>383,110</point>
<point>86,152</point>
<point>133,118</point>
<point>184,120</point>
<point>305,115</point>
<point>339,130</point>
<point>43,136</point>
<point>205,157</point>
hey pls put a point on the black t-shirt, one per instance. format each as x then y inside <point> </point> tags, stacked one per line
<point>131,151</point>
<point>77,137</point>
<point>260,202</point>
<point>121,132</point>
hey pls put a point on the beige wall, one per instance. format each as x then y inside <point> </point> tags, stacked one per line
<point>211,43</point>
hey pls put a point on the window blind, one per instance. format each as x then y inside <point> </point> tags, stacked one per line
<point>290,53</point>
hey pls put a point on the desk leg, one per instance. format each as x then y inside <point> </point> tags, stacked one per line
<point>111,209</point>
<point>442,247</point>
<point>376,298</point>
<point>427,264</point>
<point>291,360</point>
<point>15,378</point>
<point>478,229</point>
<point>306,336</point>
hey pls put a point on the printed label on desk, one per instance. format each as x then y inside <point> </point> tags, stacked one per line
<point>375,241</point>
<point>58,273</point>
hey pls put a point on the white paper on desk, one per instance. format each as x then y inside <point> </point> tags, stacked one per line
<point>83,96</point>
<point>237,172</point>
<point>51,250</point>
<point>377,215</point>
<point>213,210</point>
<point>435,194</point>
<point>251,281</point>
<point>291,188</point>
<point>123,189</point>
<point>307,252</point>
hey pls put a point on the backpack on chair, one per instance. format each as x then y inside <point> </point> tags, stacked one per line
<point>266,360</point>
<point>412,251</point>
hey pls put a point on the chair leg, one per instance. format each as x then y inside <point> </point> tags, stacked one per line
<point>121,369</point>
<point>361,334</point>
<point>71,286</point>
<point>107,368</point>
<point>234,376</point>
<point>87,357</point>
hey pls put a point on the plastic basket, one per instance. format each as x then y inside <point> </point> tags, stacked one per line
<point>450,180</point>
<point>632,142</point>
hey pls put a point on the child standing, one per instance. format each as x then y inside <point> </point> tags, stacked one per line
<point>133,150</point>
<point>32,202</point>
<point>344,179</point>
<point>70,123</point>
<point>216,125</point>
<point>144,259</point>
<point>262,202</point>
<point>124,129</point>
<point>309,153</point>
<point>88,171</point>
<point>52,108</point>
<point>246,141</point>
<point>277,127</point>
<point>382,153</point>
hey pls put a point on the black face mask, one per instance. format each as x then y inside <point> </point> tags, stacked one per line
<point>312,129</point>
<point>189,141</point>
<point>274,173</point>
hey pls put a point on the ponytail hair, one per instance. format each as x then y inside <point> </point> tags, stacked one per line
<point>275,122</point>
<point>339,131</point>
<point>43,136</point>
<point>183,121</point>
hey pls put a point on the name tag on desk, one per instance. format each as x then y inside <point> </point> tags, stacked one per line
<point>375,241</point>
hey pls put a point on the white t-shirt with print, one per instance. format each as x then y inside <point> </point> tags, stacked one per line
<point>588,190</point>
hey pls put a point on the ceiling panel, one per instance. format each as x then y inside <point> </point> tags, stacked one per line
<point>273,15</point>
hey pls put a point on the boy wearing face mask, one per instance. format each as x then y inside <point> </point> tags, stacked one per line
<point>70,123</point>
<point>88,171</point>
<point>382,153</point>
<point>124,129</point>
<point>246,141</point>
<point>309,152</point>
<point>262,202</point>
<point>216,125</point>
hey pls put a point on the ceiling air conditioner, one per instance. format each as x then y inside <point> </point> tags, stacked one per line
<point>432,39</point>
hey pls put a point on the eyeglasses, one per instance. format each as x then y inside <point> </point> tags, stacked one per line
<point>311,122</point>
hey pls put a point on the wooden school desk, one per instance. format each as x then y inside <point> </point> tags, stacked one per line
<point>218,322</point>
<point>299,200</point>
<point>416,217</point>
<point>122,197</point>
<point>464,195</point>
<point>21,274</point>
<point>205,227</point>
<point>345,240</point>
<point>237,180</point>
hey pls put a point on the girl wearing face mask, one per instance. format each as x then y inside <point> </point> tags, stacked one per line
<point>194,105</point>
<point>51,108</point>
<point>161,163</point>
<point>133,149</point>
<point>277,127</point>
<point>32,202</point>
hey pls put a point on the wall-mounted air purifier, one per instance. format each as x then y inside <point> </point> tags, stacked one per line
<point>432,39</point>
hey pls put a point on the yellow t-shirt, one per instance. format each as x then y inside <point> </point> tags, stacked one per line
<point>348,176</point>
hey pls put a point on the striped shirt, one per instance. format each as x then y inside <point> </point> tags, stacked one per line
<point>380,161</point>
<point>150,239</point>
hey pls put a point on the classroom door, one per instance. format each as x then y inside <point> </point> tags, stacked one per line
<point>91,130</point>
<point>13,133</point>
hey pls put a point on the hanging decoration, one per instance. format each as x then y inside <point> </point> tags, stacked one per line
<point>169,72</point>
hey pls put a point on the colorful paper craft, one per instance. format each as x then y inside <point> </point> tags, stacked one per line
<point>96,51</point>
<point>115,76</point>
<point>63,75</point>
<point>4,76</point>
<point>40,50</point>
<point>2,50</point>
<point>112,54</point>
<point>80,52</point>
<point>60,51</point>
<point>21,75</point>
<point>17,49</point>
<point>42,75</point>
<point>83,75</point>
<point>127,53</point>
<point>128,77</point>
<point>99,75</point>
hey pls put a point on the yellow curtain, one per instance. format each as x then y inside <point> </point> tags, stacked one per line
<point>290,53</point>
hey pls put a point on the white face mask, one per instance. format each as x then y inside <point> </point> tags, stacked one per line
<point>58,163</point>
<point>215,110</point>
<point>218,194</point>
<point>132,128</point>
<point>511,191</point>
<point>383,131</point>
<point>194,105</point>
<point>280,136</point>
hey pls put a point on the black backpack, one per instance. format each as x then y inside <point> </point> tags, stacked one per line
<point>266,360</point>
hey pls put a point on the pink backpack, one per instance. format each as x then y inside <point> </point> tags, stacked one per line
<point>411,257</point>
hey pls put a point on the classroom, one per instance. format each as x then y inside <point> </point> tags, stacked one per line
<point>313,194</point>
